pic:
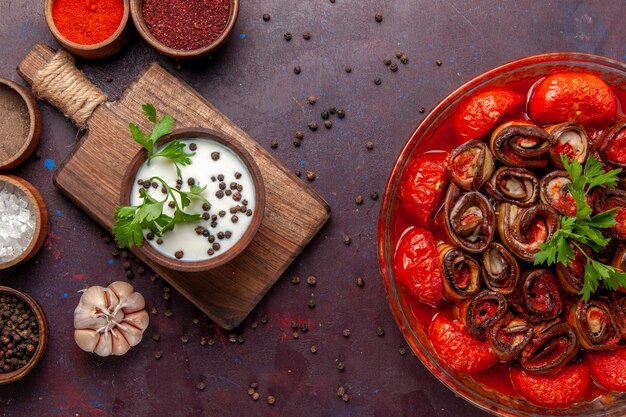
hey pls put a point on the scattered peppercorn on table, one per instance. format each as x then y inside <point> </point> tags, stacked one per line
<point>332,89</point>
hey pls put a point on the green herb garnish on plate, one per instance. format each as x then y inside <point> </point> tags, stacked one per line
<point>585,229</point>
<point>173,150</point>
<point>130,221</point>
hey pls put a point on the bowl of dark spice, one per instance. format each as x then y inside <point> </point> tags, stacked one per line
<point>23,334</point>
<point>23,221</point>
<point>89,28</point>
<point>185,29</point>
<point>20,124</point>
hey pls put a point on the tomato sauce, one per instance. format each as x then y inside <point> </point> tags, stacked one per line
<point>444,139</point>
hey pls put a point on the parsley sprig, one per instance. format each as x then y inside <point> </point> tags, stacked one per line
<point>173,150</point>
<point>130,221</point>
<point>584,229</point>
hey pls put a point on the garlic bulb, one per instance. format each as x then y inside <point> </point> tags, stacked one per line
<point>109,321</point>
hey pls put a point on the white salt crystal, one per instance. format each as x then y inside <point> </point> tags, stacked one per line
<point>17,222</point>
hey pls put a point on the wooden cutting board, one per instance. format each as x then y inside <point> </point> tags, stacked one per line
<point>91,178</point>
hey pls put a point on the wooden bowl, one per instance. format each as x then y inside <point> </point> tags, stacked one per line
<point>137,15</point>
<point>25,145</point>
<point>97,50</point>
<point>42,323</point>
<point>225,257</point>
<point>41,219</point>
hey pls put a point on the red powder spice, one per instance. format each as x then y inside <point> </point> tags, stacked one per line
<point>87,22</point>
<point>186,24</point>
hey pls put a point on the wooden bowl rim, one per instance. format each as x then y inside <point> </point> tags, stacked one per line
<point>42,323</point>
<point>41,214</point>
<point>34,129</point>
<point>79,46</point>
<point>141,26</point>
<point>128,181</point>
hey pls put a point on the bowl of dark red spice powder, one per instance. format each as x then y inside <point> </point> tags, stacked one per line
<point>89,28</point>
<point>185,29</point>
<point>23,334</point>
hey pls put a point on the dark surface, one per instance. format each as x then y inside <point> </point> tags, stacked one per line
<point>251,80</point>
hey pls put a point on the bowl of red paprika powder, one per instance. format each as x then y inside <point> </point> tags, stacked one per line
<point>89,28</point>
<point>185,29</point>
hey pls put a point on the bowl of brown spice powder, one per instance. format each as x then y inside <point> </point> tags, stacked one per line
<point>185,29</point>
<point>23,334</point>
<point>20,125</point>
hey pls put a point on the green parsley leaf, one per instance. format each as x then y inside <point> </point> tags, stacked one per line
<point>150,112</point>
<point>173,150</point>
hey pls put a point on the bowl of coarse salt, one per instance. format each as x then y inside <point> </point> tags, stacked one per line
<point>23,221</point>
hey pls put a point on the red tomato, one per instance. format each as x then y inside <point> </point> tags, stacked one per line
<point>478,114</point>
<point>417,266</point>
<point>422,186</point>
<point>573,97</point>
<point>559,390</point>
<point>608,368</point>
<point>457,348</point>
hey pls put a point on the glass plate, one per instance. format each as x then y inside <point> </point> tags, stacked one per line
<point>404,308</point>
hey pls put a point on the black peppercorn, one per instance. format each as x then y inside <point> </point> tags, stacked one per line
<point>378,81</point>
<point>378,17</point>
<point>287,36</point>
<point>297,69</point>
<point>266,17</point>
<point>341,113</point>
<point>306,35</point>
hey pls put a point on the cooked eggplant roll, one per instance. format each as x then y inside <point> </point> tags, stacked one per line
<point>483,311</point>
<point>553,345</point>
<point>509,336</point>
<point>500,269</point>
<point>461,272</point>
<point>612,146</point>
<point>617,302</point>
<point>570,139</point>
<point>614,199</point>
<point>572,276</point>
<point>594,325</point>
<point>513,185</point>
<point>521,144</point>
<point>469,219</point>
<point>471,165</point>
<point>538,297</point>
<point>522,230</point>
<point>554,191</point>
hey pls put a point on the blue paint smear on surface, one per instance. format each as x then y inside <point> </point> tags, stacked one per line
<point>243,36</point>
<point>97,404</point>
<point>58,213</point>
<point>302,162</point>
<point>49,164</point>
<point>110,262</point>
<point>65,295</point>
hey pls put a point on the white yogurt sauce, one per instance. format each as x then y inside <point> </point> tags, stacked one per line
<point>205,171</point>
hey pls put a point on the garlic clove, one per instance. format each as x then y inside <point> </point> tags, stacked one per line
<point>132,334</point>
<point>87,319</point>
<point>120,344</point>
<point>104,345</point>
<point>86,339</point>
<point>121,289</point>
<point>132,303</point>
<point>93,299</point>
<point>112,299</point>
<point>139,319</point>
